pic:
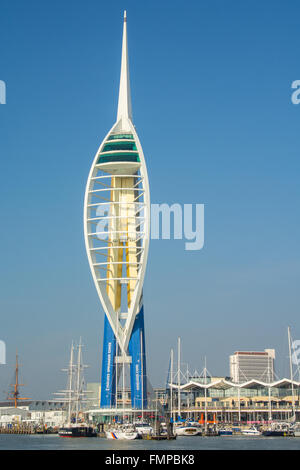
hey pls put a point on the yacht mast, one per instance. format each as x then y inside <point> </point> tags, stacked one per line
<point>70,384</point>
<point>178,379</point>
<point>269,390</point>
<point>172,361</point>
<point>205,391</point>
<point>291,371</point>
<point>78,384</point>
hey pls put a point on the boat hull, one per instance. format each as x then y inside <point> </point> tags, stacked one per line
<point>275,433</point>
<point>77,432</point>
<point>251,433</point>
<point>187,431</point>
<point>119,435</point>
<point>225,433</point>
<point>144,430</point>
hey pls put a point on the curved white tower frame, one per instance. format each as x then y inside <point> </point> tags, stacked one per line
<point>117,218</point>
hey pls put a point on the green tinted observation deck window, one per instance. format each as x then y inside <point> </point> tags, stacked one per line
<point>119,146</point>
<point>120,137</point>
<point>119,157</point>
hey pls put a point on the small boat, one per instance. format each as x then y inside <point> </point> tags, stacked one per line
<point>225,432</point>
<point>295,430</point>
<point>274,433</point>
<point>162,437</point>
<point>77,431</point>
<point>163,432</point>
<point>125,432</point>
<point>253,431</point>
<point>278,429</point>
<point>187,431</point>
<point>210,432</point>
<point>143,428</point>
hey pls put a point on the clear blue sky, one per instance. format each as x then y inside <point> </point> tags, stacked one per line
<point>211,87</point>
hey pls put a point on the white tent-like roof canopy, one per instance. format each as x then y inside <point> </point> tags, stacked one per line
<point>223,384</point>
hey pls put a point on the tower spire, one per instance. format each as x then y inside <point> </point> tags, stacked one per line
<point>124,104</point>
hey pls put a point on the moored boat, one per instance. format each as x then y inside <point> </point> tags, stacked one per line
<point>278,429</point>
<point>143,428</point>
<point>274,433</point>
<point>225,432</point>
<point>77,431</point>
<point>253,431</point>
<point>295,430</point>
<point>187,431</point>
<point>75,425</point>
<point>123,432</point>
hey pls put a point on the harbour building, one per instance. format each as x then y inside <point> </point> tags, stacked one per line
<point>36,413</point>
<point>116,229</point>
<point>221,400</point>
<point>256,365</point>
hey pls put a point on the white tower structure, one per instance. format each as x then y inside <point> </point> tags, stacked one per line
<point>116,229</point>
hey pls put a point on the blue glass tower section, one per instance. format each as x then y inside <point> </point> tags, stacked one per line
<point>138,370</point>
<point>108,379</point>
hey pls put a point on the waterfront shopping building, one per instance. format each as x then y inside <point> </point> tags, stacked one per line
<point>222,400</point>
<point>250,394</point>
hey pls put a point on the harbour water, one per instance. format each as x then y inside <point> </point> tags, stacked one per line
<point>54,442</point>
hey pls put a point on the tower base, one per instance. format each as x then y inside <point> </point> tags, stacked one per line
<point>112,364</point>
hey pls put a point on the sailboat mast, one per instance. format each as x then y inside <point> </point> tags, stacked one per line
<point>291,370</point>
<point>156,415</point>
<point>205,376</point>
<point>70,383</point>
<point>178,378</point>
<point>172,361</point>
<point>78,379</point>
<point>17,381</point>
<point>269,391</point>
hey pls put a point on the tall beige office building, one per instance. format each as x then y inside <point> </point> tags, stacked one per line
<point>248,365</point>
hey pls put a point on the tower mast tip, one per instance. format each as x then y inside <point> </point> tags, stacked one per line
<point>124,104</point>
